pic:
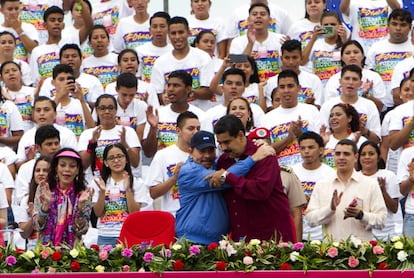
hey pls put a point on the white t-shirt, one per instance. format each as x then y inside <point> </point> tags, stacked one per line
<point>332,88</point>
<point>147,55</point>
<point>401,116</point>
<point>369,20</point>
<point>71,116</point>
<point>116,208</point>
<point>130,34</point>
<point>308,179</point>
<point>324,60</point>
<point>7,155</point>
<point>328,152</point>
<point>401,71</point>
<point>105,68</point>
<point>218,111</point>
<point>195,63</point>
<point>383,56</point>
<point>24,102</point>
<point>167,123</point>
<point>91,87</point>
<point>402,174</point>
<point>266,54</point>
<point>10,119</point>
<point>21,216</point>
<point>393,155</point>
<point>310,85</point>
<point>161,169</point>
<point>237,26</point>
<point>367,111</point>
<point>23,178</point>
<point>67,140</point>
<point>278,121</point>
<point>394,223</point>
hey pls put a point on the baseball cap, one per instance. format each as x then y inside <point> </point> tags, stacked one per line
<point>203,139</point>
<point>259,133</point>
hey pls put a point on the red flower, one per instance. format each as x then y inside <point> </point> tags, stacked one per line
<point>285,266</point>
<point>1,255</point>
<point>178,265</point>
<point>373,242</point>
<point>248,253</point>
<point>20,251</point>
<point>221,265</point>
<point>95,246</point>
<point>56,256</point>
<point>212,246</point>
<point>74,266</point>
<point>383,265</point>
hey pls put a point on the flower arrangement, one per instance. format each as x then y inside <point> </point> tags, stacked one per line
<point>395,253</point>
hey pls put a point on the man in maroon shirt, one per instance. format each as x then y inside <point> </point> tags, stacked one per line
<point>258,207</point>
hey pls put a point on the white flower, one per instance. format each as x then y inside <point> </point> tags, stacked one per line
<point>223,244</point>
<point>29,254</point>
<point>230,250</point>
<point>294,256</point>
<point>74,253</point>
<point>254,242</point>
<point>402,256</point>
<point>315,242</point>
<point>247,260</point>
<point>356,241</point>
<point>395,238</point>
<point>398,245</point>
<point>100,268</point>
<point>335,244</point>
<point>176,247</point>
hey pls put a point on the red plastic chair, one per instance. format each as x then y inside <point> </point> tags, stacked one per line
<point>148,227</point>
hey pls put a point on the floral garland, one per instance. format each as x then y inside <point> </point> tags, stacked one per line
<point>395,253</point>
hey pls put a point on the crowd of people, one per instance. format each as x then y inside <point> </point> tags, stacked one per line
<point>252,125</point>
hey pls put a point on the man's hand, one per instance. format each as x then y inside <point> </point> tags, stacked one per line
<point>215,181</point>
<point>152,118</point>
<point>262,152</point>
<point>336,199</point>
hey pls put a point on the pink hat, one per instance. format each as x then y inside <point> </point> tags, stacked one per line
<point>69,153</point>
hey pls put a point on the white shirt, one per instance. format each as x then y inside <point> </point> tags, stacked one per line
<point>130,34</point>
<point>105,68</point>
<point>147,55</point>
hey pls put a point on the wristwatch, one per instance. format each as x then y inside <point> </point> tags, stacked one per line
<point>223,177</point>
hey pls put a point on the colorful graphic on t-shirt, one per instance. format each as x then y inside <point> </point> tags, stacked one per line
<point>243,25</point>
<point>4,123</point>
<point>304,94</point>
<point>386,62</point>
<point>101,145</point>
<point>105,74</point>
<point>410,141</point>
<point>33,14</point>
<point>268,63</point>
<point>24,104</point>
<point>305,38</point>
<point>115,209</point>
<point>324,66</point>
<point>307,187</point>
<point>328,158</point>
<point>291,154</point>
<point>147,64</point>
<point>372,24</point>
<point>108,18</point>
<point>167,134</point>
<point>127,121</point>
<point>46,62</point>
<point>174,189</point>
<point>252,99</point>
<point>20,52</point>
<point>135,39</point>
<point>74,122</point>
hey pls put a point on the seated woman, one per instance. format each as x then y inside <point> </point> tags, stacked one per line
<point>62,204</point>
<point>118,194</point>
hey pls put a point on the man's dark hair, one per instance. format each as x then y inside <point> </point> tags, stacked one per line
<point>313,136</point>
<point>402,15</point>
<point>44,98</point>
<point>179,20</point>
<point>164,15</point>
<point>184,76</point>
<point>348,142</point>
<point>352,68</point>
<point>59,68</point>
<point>234,71</point>
<point>52,10</point>
<point>70,46</point>
<point>286,74</point>
<point>291,45</point>
<point>127,80</point>
<point>230,124</point>
<point>46,132</point>
<point>260,5</point>
<point>184,116</point>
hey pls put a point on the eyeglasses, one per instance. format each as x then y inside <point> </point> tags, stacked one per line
<point>104,108</point>
<point>117,157</point>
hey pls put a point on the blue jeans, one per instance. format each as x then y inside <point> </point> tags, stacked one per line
<point>105,240</point>
<point>408,225</point>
